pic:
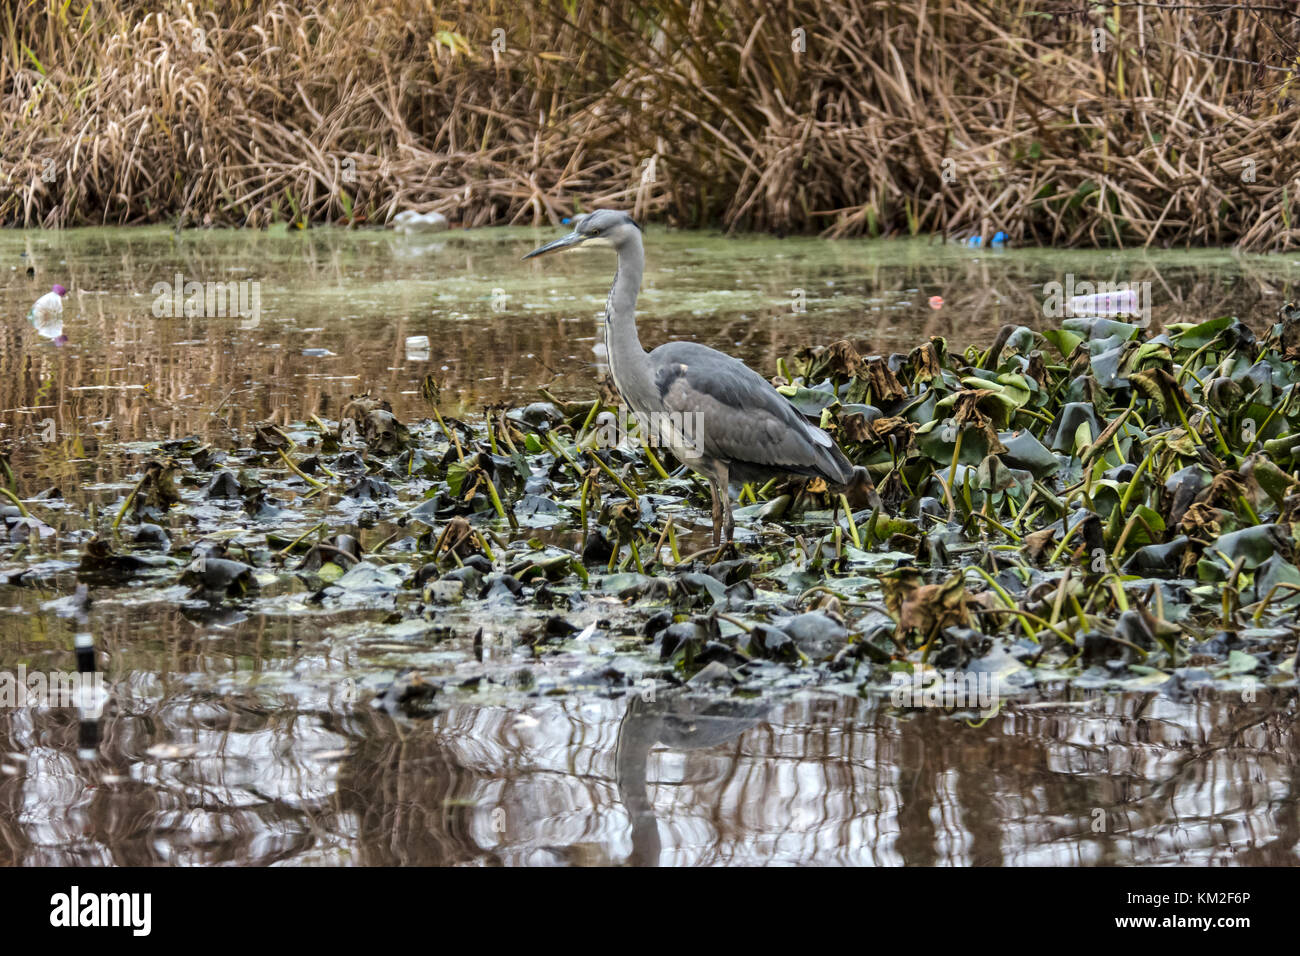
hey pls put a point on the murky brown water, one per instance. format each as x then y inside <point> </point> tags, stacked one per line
<point>227,774</point>
<point>231,739</point>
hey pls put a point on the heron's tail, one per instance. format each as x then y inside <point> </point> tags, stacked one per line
<point>835,467</point>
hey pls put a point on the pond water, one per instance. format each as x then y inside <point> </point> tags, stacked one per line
<point>244,733</point>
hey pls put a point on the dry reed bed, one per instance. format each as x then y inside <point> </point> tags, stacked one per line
<point>258,111</point>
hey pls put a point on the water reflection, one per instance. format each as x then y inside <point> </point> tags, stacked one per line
<point>210,778</point>
<point>680,724</point>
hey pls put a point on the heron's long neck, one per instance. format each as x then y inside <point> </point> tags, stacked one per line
<point>627,359</point>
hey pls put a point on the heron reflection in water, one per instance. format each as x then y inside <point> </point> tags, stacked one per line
<point>680,723</point>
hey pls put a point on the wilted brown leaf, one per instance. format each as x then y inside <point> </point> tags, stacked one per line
<point>884,384</point>
<point>1037,544</point>
<point>927,364</point>
<point>932,607</point>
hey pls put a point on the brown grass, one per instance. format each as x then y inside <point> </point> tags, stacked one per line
<point>265,116</point>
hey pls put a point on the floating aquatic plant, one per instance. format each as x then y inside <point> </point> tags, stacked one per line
<point>1094,503</point>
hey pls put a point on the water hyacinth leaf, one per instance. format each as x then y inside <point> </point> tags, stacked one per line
<point>1000,403</point>
<point>530,506</point>
<point>816,634</point>
<point>756,510</point>
<point>216,577</point>
<point>1081,388</point>
<point>993,475</point>
<point>1270,578</point>
<point>930,442</point>
<point>771,643</point>
<point>929,608</point>
<point>808,401</point>
<point>1159,386</point>
<point>1258,381</point>
<point>855,420</point>
<point>1147,527</point>
<point>1100,328</point>
<point>1082,437</point>
<point>1194,336</point>
<point>1063,340</point>
<point>1254,545</point>
<point>1146,354</point>
<point>1025,451</point>
<point>1065,429</point>
<point>702,584</point>
<point>625,585</point>
<point>1109,344</point>
<point>224,484</point>
<point>1106,366</point>
<point>1263,425</point>
<point>887,526</point>
<point>1272,480</point>
<point>1239,662</point>
<point>1239,336</point>
<point>370,489</point>
<point>883,385</point>
<point>371,578</point>
<point>427,511</point>
<point>1019,342</point>
<point>1223,396</point>
<point>1158,558</point>
<point>922,411</point>
<point>1011,389</point>
<point>1133,628</point>
<point>456,473</point>
<point>1017,387</point>
<point>1283,447</point>
<point>1106,494</point>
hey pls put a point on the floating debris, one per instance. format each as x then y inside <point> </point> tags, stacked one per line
<point>408,220</point>
<point>46,315</point>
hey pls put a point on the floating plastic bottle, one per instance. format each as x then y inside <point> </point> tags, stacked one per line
<point>417,348</point>
<point>46,315</point>
<point>408,220</point>
<point>1121,302</point>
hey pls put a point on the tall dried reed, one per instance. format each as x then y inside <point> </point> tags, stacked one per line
<point>1060,122</point>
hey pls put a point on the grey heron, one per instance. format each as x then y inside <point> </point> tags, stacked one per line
<point>748,431</point>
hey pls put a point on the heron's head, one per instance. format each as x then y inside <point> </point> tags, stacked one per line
<point>607,226</point>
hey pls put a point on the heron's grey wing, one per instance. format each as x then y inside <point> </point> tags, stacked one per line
<point>740,416</point>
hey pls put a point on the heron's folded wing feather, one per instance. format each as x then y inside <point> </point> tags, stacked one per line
<point>741,416</point>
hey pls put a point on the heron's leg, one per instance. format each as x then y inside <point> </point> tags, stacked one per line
<point>729,523</point>
<point>717,511</point>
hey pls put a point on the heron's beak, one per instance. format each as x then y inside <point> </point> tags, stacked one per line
<point>572,239</point>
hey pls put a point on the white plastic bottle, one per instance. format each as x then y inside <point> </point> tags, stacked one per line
<point>47,314</point>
